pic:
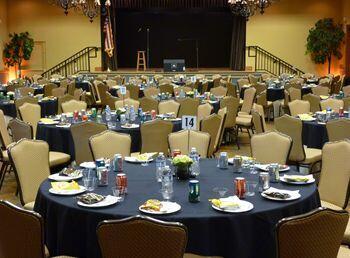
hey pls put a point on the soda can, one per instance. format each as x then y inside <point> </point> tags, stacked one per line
<point>237,164</point>
<point>274,173</point>
<point>264,181</point>
<point>176,152</point>
<point>102,176</point>
<point>93,113</point>
<point>118,163</point>
<point>194,191</point>
<point>100,163</point>
<point>84,118</point>
<point>140,112</point>
<point>122,182</point>
<point>153,114</point>
<point>240,187</point>
<point>341,112</point>
<point>76,115</point>
<point>223,160</point>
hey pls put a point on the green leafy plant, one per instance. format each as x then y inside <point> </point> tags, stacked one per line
<point>324,41</point>
<point>19,48</point>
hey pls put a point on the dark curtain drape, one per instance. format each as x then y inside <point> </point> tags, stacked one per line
<point>235,48</point>
<point>238,44</point>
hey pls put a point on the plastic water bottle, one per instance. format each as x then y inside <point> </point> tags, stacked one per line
<point>132,114</point>
<point>160,165</point>
<point>167,189</point>
<point>195,169</point>
<point>108,116</point>
<point>127,112</point>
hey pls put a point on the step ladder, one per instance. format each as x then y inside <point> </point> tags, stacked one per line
<point>141,60</point>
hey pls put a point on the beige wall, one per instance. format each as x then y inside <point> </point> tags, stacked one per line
<point>3,28</point>
<point>283,30</point>
<point>57,36</point>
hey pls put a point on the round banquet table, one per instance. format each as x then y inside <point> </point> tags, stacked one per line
<point>71,230</point>
<point>48,108</point>
<point>60,139</point>
<point>314,134</point>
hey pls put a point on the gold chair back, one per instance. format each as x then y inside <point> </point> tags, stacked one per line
<point>315,234</point>
<point>20,226</point>
<point>346,102</point>
<point>109,143</point>
<point>292,127</point>
<point>179,141</point>
<point>265,152</point>
<point>249,96</point>
<point>48,89</point>
<point>4,134</point>
<point>314,101</point>
<point>211,125</point>
<point>185,89</point>
<point>58,92</point>
<point>232,105</point>
<point>110,100</point>
<point>338,130</point>
<point>200,141</point>
<point>126,96</point>
<point>334,104</point>
<point>30,113</point>
<point>219,91</point>
<point>320,91</point>
<point>346,90</point>
<point>134,91</point>
<point>102,92</point>
<point>26,91</point>
<point>223,114</point>
<point>150,238</point>
<point>294,94</point>
<point>30,159</point>
<point>63,99</point>
<point>242,82</point>
<point>188,107</point>
<point>297,107</point>
<point>128,102</point>
<point>253,79</point>
<point>335,175</point>
<point>203,111</point>
<point>154,136</point>
<point>71,88</point>
<point>20,130</point>
<point>26,99</point>
<point>166,88</point>
<point>169,106</point>
<point>259,87</point>
<point>151,92</point>
<point>148,104</point>
<point>231,89</point>
<point>73,105</point>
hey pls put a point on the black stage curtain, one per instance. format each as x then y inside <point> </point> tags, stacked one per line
<point>173,33</point>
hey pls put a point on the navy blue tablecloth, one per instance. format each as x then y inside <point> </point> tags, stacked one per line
<point>60,139</point>
<point>314,134</point>
<point>82,85</point>
<point>71,230</point>
<point>48,108</point>
<point>273,94</point>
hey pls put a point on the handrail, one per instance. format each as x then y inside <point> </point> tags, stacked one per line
<point>268,62</point>
<point>79,62</point>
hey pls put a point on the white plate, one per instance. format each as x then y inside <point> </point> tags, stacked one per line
<point>308,119</point>
<point>63,126</point>
<point>108,201</point>
<point>54,122</point>
<point>132,126</point>
<point>135,160</point>
<point>90,165</point>
<point>265,167</point>
<point>297,183</point>
<point>293,196</point>
<point>67,192</point>
<point>168,207</point>
<point>243,207</point>
<point>57,177</point>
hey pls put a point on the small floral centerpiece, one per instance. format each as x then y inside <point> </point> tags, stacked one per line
<point>190,94</point>
<point>182,164</point>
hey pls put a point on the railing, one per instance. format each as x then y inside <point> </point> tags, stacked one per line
<point>79,62</point>
<point>267,62</point>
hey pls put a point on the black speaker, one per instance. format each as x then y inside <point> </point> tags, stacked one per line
<point>174,65</point>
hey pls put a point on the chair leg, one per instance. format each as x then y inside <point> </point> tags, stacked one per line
<point>3,173</point>
<point>249,133</point>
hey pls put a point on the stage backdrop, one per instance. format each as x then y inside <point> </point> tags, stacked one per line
<point>173,33</point>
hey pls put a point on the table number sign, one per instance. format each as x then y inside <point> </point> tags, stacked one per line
<point>189,122</point>
<point>122,90</point>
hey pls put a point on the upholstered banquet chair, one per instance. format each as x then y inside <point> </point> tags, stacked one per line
<point>219,91</point>
<point>334,104</point>
<point>185,89</point>
<point>5,142</point>
<point>151,92</point>
<point>346,90</point>
<point>261,99</point>
<point>61,100</point>
<point>232,105</point>
<point>259,87</point>
<point>166,88</point>
<point>244,118</point>
<point>77,94</point>
<point>58,92</point>
<point>223,114</point>
<point>30,160</point>
<point>109,143</point>
<point>299,153</point>
<point>212,126</point>
<point>338,130</point>
<point>119,79</point>
<point>26,91</point>
<point>73,105</point>
<point>169,106</point>
<point>185,140</point>
<point>258,122</point>
<point>315,234</point>
<point>320,91</point>
<point>25,227</point>
<point>154,136</point>
<point>30,113</point>
<point>150,238</point>
<point>294,94</point>
<point>71,88</point>
<point>265,152</point>
<point>297,107</point>
<point>110,100</point>
<point>127,102</point>
<point>297,80</point>
<point>19,102</point>
<point>48,89</point>
<point>111,83</point>
<point>125,96</point>
<point>205,86</point>
<point>203,111</point>
<point>81,134</point>
<point>242,82</point>
<point>188,107</point>
<point>148,104</point>
<point>102,93</point>
<point>314,101</point>
<point>253,79</point>
<point>133,90</point>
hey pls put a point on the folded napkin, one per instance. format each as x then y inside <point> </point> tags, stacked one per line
<point>324,97</point>
<point>275,190</point>
<point>47,121</point>
<point>298,178</point>
<point>305,117</point>
<point>59,186</point>
<point>231,202</point>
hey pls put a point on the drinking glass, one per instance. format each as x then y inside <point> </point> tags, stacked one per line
<point>220,191</point>
<point>251,186</point>
<point>119,192</point>
<point>90,183</point>
<point>167,193</point>
<point>145,163</point>
<point>253,169</point>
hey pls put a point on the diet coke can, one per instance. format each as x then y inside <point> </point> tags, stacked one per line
<point>122,182</point>
<point>118,163</point>
<point>153,114</point>
<point>240,187</point>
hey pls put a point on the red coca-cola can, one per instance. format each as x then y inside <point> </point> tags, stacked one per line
<point>122,182</point>
<point>75,115</point>
<point>240,187</point>
<point>341,112</point>
<point>153,114</point>
<point>176,152</point>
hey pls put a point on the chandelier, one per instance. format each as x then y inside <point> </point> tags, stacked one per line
<point>90,8</point>
<point>247,8</point>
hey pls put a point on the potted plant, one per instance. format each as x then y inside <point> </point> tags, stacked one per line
<point>19,48</point>
<point>324,41</point>
<point>182,164</point>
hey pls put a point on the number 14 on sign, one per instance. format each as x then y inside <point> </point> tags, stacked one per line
<point>189,122</point>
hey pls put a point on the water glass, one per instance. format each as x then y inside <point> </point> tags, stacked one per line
<point>90,183</point>
<point>251,186</point>
<point>253,169</point>
<point>167,193</point>
<point>220,191</point>
<point>119,192</point>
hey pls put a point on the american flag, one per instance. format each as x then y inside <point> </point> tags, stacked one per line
<point>109,41</point>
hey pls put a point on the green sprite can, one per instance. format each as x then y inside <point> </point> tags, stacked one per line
<point>194,191</point>
<point>93,113</point>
